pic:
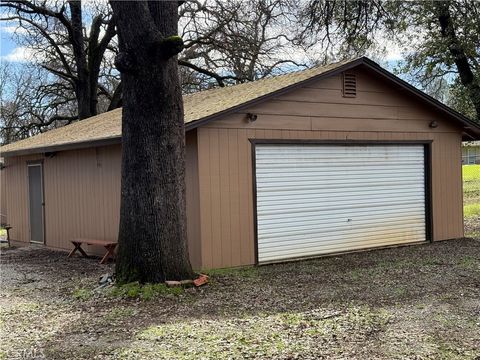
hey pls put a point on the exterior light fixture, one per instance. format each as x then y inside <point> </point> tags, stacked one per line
<point>251,117</point>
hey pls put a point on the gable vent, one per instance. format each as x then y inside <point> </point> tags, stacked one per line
<point>349,85</point>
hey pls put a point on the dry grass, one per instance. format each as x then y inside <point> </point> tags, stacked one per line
<point>413,302</point>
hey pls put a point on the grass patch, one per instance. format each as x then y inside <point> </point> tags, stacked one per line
<point>244,272</point>
<point>82,294</point>
<point>284,335</point>
<point>471,210</point>
<point>135,290</point>
<point>471,172</point>
<point>119,313</point>
<point>469,263</point>
<point>471,190</point>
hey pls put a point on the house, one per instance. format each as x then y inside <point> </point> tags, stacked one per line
<point>471,153</point>
<point>333,159</point>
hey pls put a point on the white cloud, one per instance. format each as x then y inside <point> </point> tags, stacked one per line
<point>19,54</point>
<point>13,30</point>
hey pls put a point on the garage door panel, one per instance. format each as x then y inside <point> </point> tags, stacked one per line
<point>332,206</point>
<point>287,198</point>
<point>326,218</point>
<point>311,242</point>
<point>297,228</point>
<point>333,219</point>
<point>314,170</point>
<point>326,249</point>
<point>316,199</point>
<point>306,236</point>
<point>309,191</point>
<point>339,182</point>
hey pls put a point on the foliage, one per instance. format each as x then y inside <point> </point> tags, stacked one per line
<point>459,100</point>
<point>436,53</point>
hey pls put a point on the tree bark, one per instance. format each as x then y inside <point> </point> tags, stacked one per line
<point>458,53</point>
<point>152,236</point>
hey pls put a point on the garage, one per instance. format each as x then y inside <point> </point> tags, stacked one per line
<point>332,159</point>
<point>314,199</point>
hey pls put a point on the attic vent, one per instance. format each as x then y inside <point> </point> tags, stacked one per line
<point>349,85</point>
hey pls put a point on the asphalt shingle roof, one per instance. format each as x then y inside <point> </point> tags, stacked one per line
<point>197,106</point>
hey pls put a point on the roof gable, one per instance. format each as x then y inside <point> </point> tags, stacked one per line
<point>205,106</point>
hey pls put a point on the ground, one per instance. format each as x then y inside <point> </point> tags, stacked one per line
<point>418,302</point>
<point>415,302</point>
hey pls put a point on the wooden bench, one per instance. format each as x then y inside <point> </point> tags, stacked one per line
<point>108,245</point>
<point>7,228</point>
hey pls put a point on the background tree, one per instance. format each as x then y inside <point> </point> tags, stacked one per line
<point>345,29</point>
<point>26,100</point>
<point>152,238</point>
<point>56,33</point>
<point>448,47</point>
<point>239,41</point>
<point>225,43</point>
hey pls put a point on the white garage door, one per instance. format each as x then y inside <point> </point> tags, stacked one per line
<point>319,199</point>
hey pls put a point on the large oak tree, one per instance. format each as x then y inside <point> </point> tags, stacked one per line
<point>153,237</point>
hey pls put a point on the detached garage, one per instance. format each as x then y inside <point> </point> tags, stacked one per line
<point>333,159</point>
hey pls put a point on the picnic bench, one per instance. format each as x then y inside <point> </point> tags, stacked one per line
<point>7,228</point>
<point>108,245</point>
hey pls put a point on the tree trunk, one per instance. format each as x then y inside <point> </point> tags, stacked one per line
<point>458,53</point>
<point>152,238</point>
<point>83,95</point>
<point>82,83</point>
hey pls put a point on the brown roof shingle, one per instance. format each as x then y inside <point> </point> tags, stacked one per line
<point>205,105</point>
<point>196,106</point>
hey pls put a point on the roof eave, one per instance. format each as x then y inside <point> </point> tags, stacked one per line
<point>65,146</point>
<point>471,129</point>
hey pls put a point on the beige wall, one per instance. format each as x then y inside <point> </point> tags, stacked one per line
<point>82,188</point>
<point>82,196</point>
<point>316,112</point>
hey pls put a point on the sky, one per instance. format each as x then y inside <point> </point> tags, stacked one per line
<point>10,51</point>
<point>7,45</point>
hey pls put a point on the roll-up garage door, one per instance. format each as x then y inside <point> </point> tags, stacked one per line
<point>320,199</point>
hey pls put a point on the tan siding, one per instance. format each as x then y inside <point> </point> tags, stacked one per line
<point>82,196</point>
<point>192,199</point>
<point>378,113</point>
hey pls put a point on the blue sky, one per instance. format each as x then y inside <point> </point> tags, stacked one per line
<point>7,45</point>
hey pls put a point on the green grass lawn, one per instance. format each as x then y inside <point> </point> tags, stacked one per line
<point>471,190</point>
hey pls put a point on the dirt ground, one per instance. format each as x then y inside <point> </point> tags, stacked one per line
<point>472,226</point>
<point>417,302</point>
